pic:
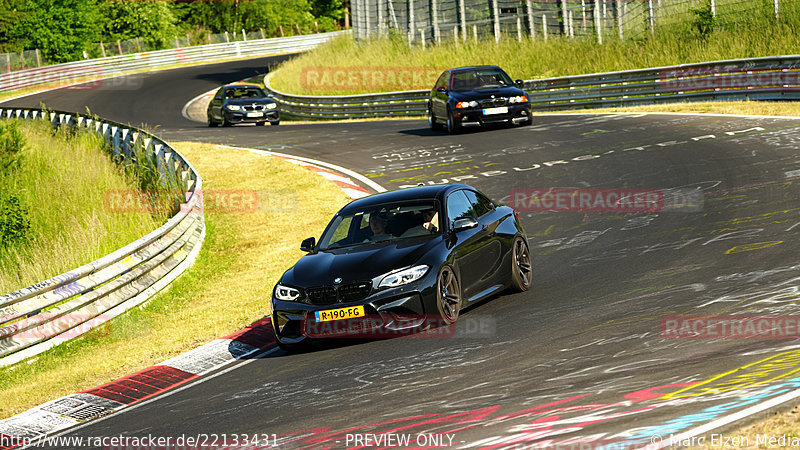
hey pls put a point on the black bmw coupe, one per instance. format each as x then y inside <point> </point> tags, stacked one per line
<point>242,103</point>
<point>403,260</point>
<point>476,96</point>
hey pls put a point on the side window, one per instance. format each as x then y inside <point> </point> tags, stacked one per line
<point>442,81</point>
<point>218,96</point>
<point>458,205</point>
<point>480,203</point>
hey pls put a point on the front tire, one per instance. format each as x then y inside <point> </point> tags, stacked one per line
<point>276,123</point>
<point>448,296</point>
<point>211,122</point>
<point>521,267</point>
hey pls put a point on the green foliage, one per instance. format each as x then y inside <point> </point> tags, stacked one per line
<point>12,142</point>
<point>704,20</point>
<point>153,21</point>
<point>234,16</point>
<point>15,219</point>
<point>64,29</point>
<point>61,29</point>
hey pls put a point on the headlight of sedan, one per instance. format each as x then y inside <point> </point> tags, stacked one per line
<point>286,293</point>
<point>518,99</point>
<point>461,105</point>
<point>401,277</point>
<point>234,107</point>
<point>272,105</point>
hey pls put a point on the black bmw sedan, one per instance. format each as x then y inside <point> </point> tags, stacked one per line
<point>399,261</point>
<point>242,103</point>
<point>475,96</point>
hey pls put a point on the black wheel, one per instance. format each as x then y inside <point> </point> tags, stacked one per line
<point>276,123</point>
<point>211,122</point>
<point>225,122</point>
<point>452,127</point>
<point>259,124</point>
<point>432,120</point>
<point>521,267</point>
<point>448,296</point>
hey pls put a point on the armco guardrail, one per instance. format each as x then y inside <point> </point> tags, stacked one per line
<point>71,72</point>
<point>46,314</point>
<point>770,78</point>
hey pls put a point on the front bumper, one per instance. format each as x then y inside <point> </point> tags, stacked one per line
<point>271,115</point>
<point>474,117</point>
<point>388,313</point>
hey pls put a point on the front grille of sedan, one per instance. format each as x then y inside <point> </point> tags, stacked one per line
<point>493,102</point>
<point>329,295</point>
<point>254,107</point>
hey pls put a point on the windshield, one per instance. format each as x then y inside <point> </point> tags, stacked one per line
<point>479,79</point>
<point>244,92</point>
<point>381,223</point>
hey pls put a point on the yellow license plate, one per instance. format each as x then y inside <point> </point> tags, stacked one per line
<point>338,314</point>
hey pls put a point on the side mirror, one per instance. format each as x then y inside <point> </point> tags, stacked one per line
<point>519,83</point>
<point>441,89</point>
<point>464,223</point>
<point>308,244</point>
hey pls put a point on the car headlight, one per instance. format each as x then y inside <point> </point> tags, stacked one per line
<point>286,293</point>
<point>272,105</point>
<point>461,105</point>
<point>234,107</point>
<point>401,277</point>
<point>518,99</point>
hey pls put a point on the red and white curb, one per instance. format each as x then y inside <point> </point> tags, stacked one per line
<point>339,175</point>
<point>34,426</point>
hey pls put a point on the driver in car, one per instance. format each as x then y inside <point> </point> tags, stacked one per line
<point>377,224</point>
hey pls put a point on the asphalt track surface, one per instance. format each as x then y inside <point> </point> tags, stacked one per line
<point>578,358</point>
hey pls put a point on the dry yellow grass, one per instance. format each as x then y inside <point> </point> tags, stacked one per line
<point>737,107</point>
<point>227,288</point>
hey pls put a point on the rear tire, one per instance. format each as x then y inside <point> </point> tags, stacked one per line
<point>521,267</point>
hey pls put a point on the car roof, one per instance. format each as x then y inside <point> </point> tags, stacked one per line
<point>242,86</point>
<point>436,192</point>
<point>465,68</point>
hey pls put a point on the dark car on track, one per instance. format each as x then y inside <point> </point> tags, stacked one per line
<point>397,261</point>
<point>242,103</point>
<point>476,96</point>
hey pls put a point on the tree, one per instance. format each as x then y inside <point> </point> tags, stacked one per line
<point>152,21</point>
<point>60,29</point>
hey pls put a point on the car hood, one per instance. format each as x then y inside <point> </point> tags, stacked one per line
<point>249,101</point>
<point>357,263</point>
<point>478,94</point>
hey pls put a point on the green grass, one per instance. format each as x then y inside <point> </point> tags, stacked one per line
<point>226,289</point>
<point>678,39</point>
<point>63,178</point>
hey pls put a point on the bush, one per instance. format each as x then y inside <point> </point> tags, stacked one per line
<point>11,144</point>
<point>15,219</point>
